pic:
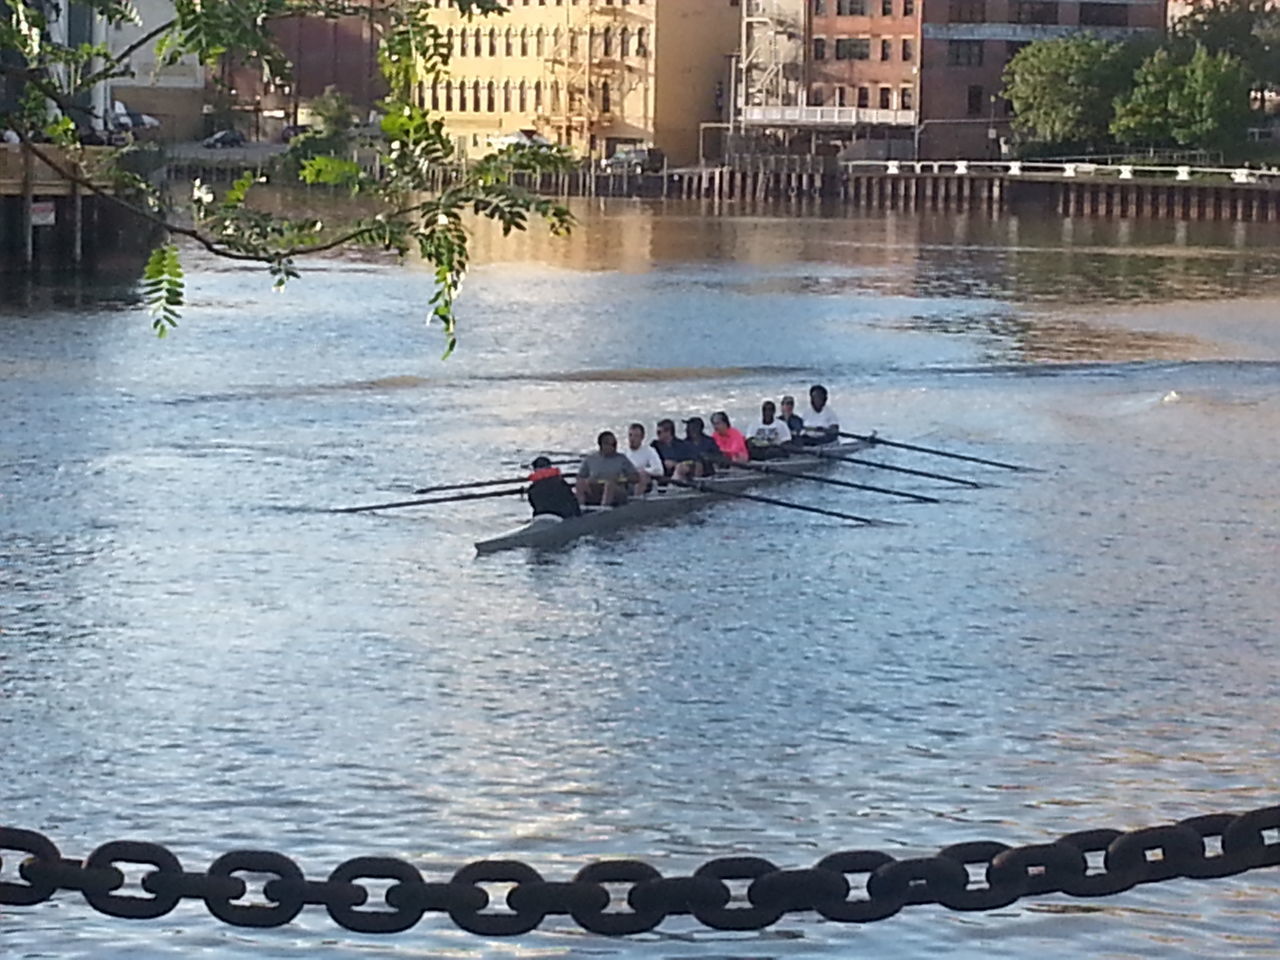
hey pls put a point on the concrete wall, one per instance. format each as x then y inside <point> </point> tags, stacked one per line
<point>693,43</point>
<point>173,94</point>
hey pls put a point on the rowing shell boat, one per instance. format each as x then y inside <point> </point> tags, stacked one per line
<point>659,504</point>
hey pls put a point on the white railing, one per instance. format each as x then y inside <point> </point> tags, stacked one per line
<point>826,116</point>
<point>1032,169</point>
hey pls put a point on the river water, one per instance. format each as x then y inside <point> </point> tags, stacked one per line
<point>193,652</point>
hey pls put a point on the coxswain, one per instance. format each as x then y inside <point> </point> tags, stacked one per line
<point>770,436</point>
<point>821,423</point>
<point>604,477</point>
<point>729,439</point>
<point>644,458</point>
<point>677,456</point>
<point>704,451</point>
<point>549,494</point>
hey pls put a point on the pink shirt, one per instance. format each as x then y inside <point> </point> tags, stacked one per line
<point>732,444</point>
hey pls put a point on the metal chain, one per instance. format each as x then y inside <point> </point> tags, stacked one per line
<point>1246,841</point>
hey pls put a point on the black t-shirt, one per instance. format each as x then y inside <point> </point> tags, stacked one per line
<point>551,495</point>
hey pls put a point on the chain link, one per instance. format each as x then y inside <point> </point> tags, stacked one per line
<point>1248,841</point>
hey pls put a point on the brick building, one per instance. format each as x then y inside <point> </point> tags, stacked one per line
<point>903,78</point>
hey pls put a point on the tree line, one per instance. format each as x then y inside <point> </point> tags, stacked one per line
<point>1199,87</point>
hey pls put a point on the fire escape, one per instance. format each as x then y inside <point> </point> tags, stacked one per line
<point>599,56</point>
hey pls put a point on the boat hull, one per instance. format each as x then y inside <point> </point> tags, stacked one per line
<point>663,504</point>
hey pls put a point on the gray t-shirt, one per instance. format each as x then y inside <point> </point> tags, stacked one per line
<point>596,466</point>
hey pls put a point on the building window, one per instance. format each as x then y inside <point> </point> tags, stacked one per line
<point>842,96</point>
<point>524,42</point>
<point>886,49</point>
<point>506,96</point>
<point>819,48</point>
<point>906,98</point>
<point>539,42</point>
<point>908,49</point>
<point>864,97</point>
<point>851,8</point>
<point>974,101</point>
<point>1035,11</point>
<point>886,8</point>
<point>964,53</point>
<point>491,97</point>
<point>815,97</point>
<point>509,43</point>
<point>967,11</point>
<point>908,8</point>
<point>853,48</point>
<point>886,98</point>
<point>624,42</point>
<point>820,8</point>
<point>642,43</point>
<point>1013,47</point>
<point>1104,14</point>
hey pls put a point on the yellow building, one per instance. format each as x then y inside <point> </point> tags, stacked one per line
<point>592,75</point>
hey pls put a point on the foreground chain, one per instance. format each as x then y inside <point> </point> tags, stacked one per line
<point>1246,841</point>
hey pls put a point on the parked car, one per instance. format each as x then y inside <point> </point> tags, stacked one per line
<point>634,160</point>
<point>293,130</point>
<point>223,138</point>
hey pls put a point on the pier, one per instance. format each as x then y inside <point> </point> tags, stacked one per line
<point>47,220</point>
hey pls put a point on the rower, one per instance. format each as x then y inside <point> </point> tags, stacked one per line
<point>644,458</point>
<point>794,423</point>
<point>821,423</point>
<point>604,476</point>
<point>676,455</point>
<point>729,439</point>
<point>704,451</point>
<point>767,441</point>
<point>549,494</point>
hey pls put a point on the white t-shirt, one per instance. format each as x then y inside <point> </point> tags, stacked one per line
<point>821,422</point>
<point>646,460</point>
<point>776,432</point>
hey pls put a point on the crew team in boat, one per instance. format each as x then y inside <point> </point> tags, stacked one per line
<point>608,478</point>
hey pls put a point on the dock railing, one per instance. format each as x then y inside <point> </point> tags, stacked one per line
<point>1040,169</point>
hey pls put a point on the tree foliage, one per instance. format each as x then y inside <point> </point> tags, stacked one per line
<point>1062,90</point>
<point>1246,30</point>
<point>408,217</point>
<point>1202,102</point>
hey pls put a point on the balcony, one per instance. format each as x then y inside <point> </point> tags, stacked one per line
<point>825,117</point>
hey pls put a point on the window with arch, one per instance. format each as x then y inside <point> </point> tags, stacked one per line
<point>476,44</point>
<point>506,96</point>
<point>461,50</point>
<point>606,101</point>
<point>539,42</point>
<point>462,96</point>
<point>477,102</point>
<point>448,97</point>
<point>555,96</point>
<point>524,97</point>
<point>509,42</point>
<point>493,41</point>
<point>573,42</point>
<point>642,42</point>
<point>537,96</point>
<point>524,42</point>
<point>606,42</point>
<point>491,97</point>
<point>624,42</point>
<point>435,95</point>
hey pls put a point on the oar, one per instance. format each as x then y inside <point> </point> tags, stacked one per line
<point>872,438</point>
<point>421,503</point>
<point>705,488</point>
<point>817,451</point>
<point>781,472</point>
<point>472,485</point>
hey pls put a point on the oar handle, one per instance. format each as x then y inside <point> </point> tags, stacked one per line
<point>873,439</point>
